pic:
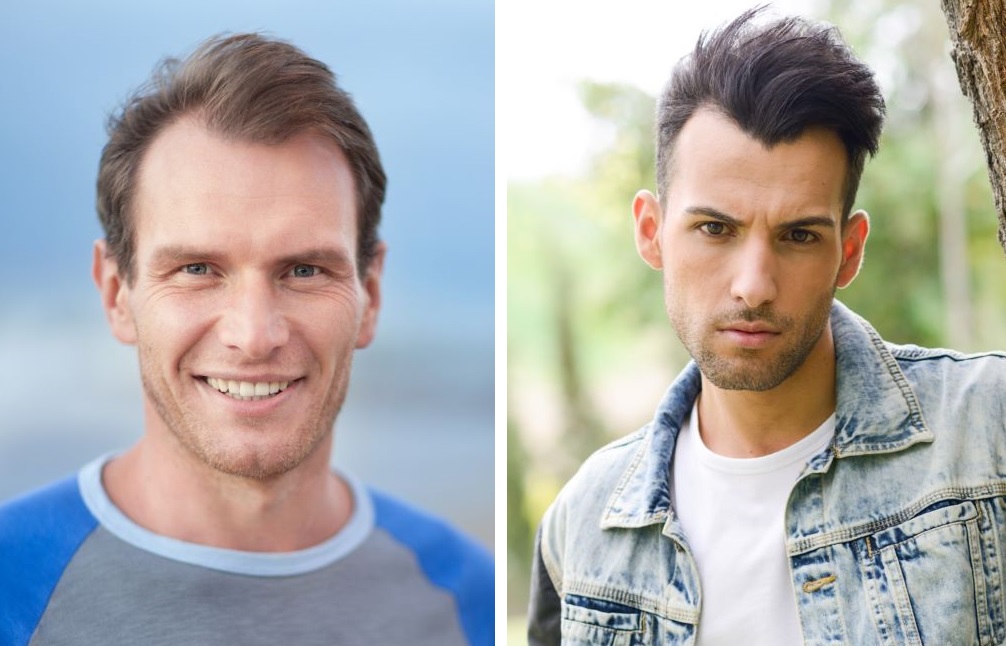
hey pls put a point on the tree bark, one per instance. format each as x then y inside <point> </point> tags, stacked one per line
<point>978,38</point>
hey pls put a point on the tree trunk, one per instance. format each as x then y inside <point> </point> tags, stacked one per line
<point>978,36</point>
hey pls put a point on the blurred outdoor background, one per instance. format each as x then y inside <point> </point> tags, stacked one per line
<point>590,349</point>
<point>419,419</point>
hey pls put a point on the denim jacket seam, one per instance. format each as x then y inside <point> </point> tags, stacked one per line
<point>897,375</point>
<point>548,559</point>
<point>860,443</point>
<point>852,449</point>
<point>862,530</point>
<point>938,354</point>
<point>609,516</point>
<point>642,602</point>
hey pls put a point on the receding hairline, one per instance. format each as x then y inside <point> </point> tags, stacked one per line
<point>196,122</point>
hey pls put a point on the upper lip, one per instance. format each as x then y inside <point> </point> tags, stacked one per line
<point>266,378</point>
<point>751,327</point>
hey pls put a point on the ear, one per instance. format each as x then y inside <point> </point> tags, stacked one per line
<point>371,296</point>
<point>114,292</point>
<point>647,214</point>
<point>854,235</point>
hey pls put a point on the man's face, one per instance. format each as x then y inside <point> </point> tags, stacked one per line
<point>246,304</point>
<point>752,248</point>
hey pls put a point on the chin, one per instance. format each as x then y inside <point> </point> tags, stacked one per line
<point>255,464</point>
<point>258,455</point>
<point>261,449</point>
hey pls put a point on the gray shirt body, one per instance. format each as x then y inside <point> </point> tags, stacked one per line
<point>390,576</point>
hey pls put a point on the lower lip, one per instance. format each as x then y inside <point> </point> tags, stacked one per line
<point>749,339</point>
<point>253,407</point>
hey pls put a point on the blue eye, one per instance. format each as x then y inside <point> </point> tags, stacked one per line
<point>304,271</point>
<point>196,269</point>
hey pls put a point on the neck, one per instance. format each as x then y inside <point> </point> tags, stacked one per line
<point>170,492</point>
<point>747,424</point>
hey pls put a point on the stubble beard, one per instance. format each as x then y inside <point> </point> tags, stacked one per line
<point>751,369</point>
<point>198,438</point>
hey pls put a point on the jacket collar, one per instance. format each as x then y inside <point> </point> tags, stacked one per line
<point>877,412</point>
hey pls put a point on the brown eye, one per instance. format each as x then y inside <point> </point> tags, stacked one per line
<point>713,228</point>
<point>801,236</point>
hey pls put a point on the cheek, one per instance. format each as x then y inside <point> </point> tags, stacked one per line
<point>805,289</point>
<point>331,326</point>
<point>173,324</point>
<point>693,273</point>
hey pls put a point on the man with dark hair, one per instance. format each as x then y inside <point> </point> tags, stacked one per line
<point>240,194</point>
<point>802,480</point>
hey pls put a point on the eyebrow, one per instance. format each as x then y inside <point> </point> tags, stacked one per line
<point>329,256</point>
<point>799,223</point>
<point>710,212</point>
<point>181,254</point>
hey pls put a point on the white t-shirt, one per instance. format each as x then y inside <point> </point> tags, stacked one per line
<point>733,514</point>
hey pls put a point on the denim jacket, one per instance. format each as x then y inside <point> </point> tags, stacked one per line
<point>896,533</point>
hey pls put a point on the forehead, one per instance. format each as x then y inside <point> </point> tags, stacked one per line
<point>714,158</point>
<point>194,181</point>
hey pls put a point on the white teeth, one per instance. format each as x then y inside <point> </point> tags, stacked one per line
<point>247,390</point>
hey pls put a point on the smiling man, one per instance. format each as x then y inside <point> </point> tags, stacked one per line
<point>240,195</point>
<point>803,482</point>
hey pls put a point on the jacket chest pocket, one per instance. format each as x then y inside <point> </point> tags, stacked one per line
<point>597,622</point>
<point>937,578</point>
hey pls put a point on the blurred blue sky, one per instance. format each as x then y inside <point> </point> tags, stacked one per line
<point>422,75</point>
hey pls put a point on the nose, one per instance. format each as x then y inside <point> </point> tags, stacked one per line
<point>755,275</point>
<point>252,321</point>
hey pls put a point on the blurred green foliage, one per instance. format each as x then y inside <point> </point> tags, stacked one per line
<point>590,349</point>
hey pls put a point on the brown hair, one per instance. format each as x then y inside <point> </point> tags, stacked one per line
<point>251,88</point>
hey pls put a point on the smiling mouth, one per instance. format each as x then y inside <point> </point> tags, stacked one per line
<point>247,390</point>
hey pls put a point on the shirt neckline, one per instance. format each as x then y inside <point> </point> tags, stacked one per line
<point>800,451</point>
<point>269,564</point>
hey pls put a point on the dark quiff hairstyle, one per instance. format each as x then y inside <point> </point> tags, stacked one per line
<point>249,88</point>
<point>775,81</point>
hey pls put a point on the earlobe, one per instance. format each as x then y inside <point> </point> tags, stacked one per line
<point>646,212</point>
<point>114,293</point>
<point>854,235</point>
<point>371,283</point>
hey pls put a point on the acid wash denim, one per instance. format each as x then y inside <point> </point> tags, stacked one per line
<point>896,533</point>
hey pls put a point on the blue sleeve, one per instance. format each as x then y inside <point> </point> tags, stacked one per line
<point>450,560</point>
<point>39,534</point>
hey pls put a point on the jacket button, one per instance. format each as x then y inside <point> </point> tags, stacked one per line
<point>817,584</point>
